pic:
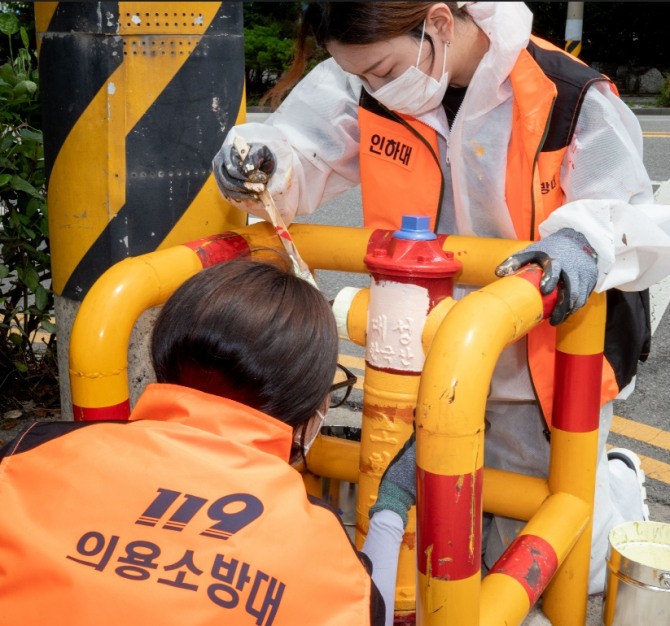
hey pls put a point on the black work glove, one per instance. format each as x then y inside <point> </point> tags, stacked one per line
<point>397,490</point>
<point>240,178</point>
<point>568,262</point>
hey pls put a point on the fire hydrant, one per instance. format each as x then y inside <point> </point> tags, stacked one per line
<point>411,275</point>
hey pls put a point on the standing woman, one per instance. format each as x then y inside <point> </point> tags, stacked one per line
<point>453,110</point>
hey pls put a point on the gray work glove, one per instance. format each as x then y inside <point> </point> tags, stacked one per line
<point>397,490</point>
<point>567,261</point>
<point>238,178</point>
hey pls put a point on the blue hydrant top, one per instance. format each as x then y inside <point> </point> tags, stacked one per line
<point>416,228</point>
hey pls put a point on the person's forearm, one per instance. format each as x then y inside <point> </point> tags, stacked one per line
<point>382,545</point>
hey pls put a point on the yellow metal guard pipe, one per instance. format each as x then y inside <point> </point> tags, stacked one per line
<point>450,443</point>
<point>342,248</point>
<point>529,493</point>
<point>336,458</point>
<point>101,331</point>
<point>574,448</point>
<point>104,322</point>
<point>521,574</point>
<point>333,457</point>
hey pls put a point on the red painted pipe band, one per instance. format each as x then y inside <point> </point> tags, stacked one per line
<point>449,517</point>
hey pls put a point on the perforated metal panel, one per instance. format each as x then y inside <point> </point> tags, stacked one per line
<point>138,97</point>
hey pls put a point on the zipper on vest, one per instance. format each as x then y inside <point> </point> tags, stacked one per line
<point>436,158</point>
<point>449,137</point>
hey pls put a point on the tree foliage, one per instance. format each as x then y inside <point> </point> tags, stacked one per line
<point>664,97</point>
<point>26,299</point>
<point>270,29</point>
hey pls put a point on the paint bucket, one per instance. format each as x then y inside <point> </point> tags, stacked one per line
<point>637,589</point>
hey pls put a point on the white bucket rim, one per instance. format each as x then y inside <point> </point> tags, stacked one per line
<point>639,533</point>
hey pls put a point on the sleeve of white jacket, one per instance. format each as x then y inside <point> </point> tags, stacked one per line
<point>314,135</point>
<point>609,196</point>
<point>382,545</point>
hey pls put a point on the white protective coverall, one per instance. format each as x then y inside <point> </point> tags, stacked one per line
<point>314,136</point>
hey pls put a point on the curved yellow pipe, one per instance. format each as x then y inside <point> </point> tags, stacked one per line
<point>478,327</point>
<point>102,328</point>
<point>504,601</point>
<point>450,417</point>
<point>104,322</point>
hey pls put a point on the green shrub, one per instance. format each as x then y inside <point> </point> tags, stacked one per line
<point>27,332</point>
<point>664,99</point>
<point>270,29</point>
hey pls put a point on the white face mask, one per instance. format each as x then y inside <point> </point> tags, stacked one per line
<point>413,92</point>
<point>307,444</point>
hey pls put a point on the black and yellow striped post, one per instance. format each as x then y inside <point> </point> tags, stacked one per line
<point>137,98</point>
<point>574,47</point>
<point>573,28</point>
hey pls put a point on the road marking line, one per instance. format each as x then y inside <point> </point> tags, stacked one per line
<point>657,135</point>
<point>641,432</point>
<point>655,469</point>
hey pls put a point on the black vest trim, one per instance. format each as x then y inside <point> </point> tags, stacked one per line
<point>628,324</point>
<point>627,332</point>
<point>36,433</point>
<point>370,104</point>
<point>572,79</point>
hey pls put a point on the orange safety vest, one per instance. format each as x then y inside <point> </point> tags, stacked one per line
<point>401,173</point>
<point>187,514</point>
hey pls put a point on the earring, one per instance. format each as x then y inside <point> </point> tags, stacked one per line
<point>448,43</point>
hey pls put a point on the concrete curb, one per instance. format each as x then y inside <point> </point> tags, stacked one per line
<point>651,110</point>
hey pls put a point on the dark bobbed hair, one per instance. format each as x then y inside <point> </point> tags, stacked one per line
<point>252,332</point>
<point>353,23</point>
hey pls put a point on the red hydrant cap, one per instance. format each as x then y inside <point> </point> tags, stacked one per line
<point>414,250</point>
